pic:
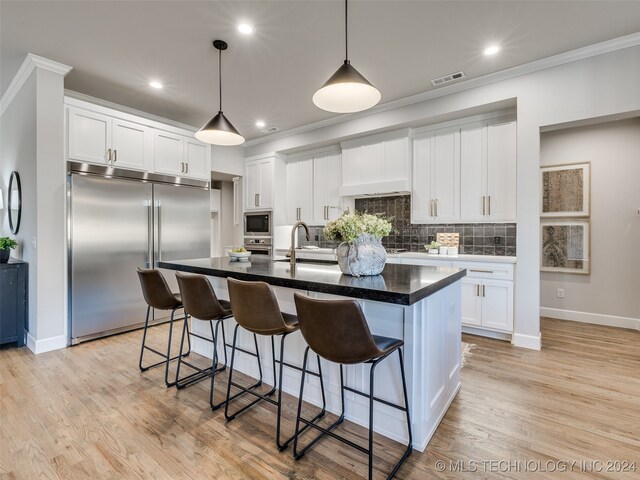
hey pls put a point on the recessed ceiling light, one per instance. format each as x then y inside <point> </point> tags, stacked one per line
<point>155,84</point>
<point>491,50</point>
<point>260,124</point>
<point>245,28</point>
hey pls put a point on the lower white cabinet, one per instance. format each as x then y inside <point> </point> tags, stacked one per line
<point>487,303</point>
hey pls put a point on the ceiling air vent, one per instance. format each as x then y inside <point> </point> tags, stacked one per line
<point>447,78</point>
<point>271,130</point>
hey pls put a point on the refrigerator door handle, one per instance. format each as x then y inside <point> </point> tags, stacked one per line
<point>159,232</point>
<point>149,206</point>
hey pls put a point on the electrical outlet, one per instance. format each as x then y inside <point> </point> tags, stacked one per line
<point>560,293</point>
<point>317,237</point>
<point>497,240</point>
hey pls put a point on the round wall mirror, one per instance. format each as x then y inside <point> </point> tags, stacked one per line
<point>15,202</point>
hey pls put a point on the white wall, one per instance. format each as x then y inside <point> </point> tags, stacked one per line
<point>32,141</point>
<point>613,287</point>
<point>227,228</point>
<point>18,152</point>
<point>605,84</point>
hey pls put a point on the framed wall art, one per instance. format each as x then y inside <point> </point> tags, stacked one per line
<point>565,246</point>
<point>565,190</point>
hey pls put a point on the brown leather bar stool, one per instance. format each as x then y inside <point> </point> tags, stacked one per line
<point>158,296</point>
<point>337,330</point>
<point>255,309</point>
<point>200,302</point>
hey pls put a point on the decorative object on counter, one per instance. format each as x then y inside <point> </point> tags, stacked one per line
<point>219,130</point>
<point>452,250</point>
<point>443,250</point>
<point>6,245</point>
<point>433,247</point>
<point>239,254</point>
<point>565,246</point>
<point>361,251</point>
<point>346,90</point>
<point>15,202</point>
<point>565,190</point>
<point>448,239</point>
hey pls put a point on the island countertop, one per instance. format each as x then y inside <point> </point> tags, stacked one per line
<point>397,284</point>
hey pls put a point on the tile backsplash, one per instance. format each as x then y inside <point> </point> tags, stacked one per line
<point>475,238</point>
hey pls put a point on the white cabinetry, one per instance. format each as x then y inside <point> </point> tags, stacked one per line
<point>179,155</point>
<point>259,183</point>
<point>436,173</point>
<point>300,190</point>
<point>97,134</point>
<point>488,172</point>
<point>96,138</point>
<point>327,203</point>
<point>376,165</point>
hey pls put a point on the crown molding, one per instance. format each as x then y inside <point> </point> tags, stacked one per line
<point>607,46</point>
<point>30,63</point>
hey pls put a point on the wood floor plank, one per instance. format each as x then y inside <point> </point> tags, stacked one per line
<point>88,412</point>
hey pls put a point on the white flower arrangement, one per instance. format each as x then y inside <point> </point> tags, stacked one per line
<point>350,226</point>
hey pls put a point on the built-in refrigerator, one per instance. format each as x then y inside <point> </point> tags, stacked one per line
<point>119,220</point>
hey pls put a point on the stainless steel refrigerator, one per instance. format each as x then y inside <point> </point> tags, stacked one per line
<point>119,220</point>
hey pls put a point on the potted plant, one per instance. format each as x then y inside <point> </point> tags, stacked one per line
<point>432,247</point>
<point>6,244</point>
<point>361,251</point>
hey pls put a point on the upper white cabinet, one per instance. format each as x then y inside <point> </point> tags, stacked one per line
<point>96,138</point>
<point>179,155</point>
<point>259,183</point>
<point>300,190</point>
<point>436,177</point>
<point>97,134</point>
<point>327,202</point>
<point>488,172</point>
<point>376,165</point>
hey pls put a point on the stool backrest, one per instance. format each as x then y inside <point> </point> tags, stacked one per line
<point>335,329</point>
<point>255,307</point>
<point>198,297</point>
<point>155,290</point>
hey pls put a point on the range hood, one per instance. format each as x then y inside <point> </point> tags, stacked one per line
<point>379,189</point>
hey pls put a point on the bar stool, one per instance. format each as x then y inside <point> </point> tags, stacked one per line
<point>201,303</point>
<point>255,309</point>
<point>337,330</point>
<point>158,295</point>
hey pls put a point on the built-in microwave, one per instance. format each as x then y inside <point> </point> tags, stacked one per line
<point>257,224</point>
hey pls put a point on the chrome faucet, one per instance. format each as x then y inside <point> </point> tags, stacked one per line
<point>292,250</point>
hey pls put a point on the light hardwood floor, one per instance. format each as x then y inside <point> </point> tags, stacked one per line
<point>87,412</point>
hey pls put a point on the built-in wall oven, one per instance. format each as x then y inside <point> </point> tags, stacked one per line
<point>259,245</point>
<point>257,224</point>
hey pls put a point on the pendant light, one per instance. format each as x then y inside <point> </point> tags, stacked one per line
<point>219,130</point>
<point>346,90</point>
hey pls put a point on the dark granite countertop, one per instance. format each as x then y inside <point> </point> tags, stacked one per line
<point>399,284</point>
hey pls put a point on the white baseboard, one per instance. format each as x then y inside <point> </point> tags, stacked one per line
<point>593,318</point>
<point>533,342</point>
<point>46,344</point>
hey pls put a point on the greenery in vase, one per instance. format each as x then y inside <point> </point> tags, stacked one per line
<point>433,246</point>
<point>7,243</point>
<point>350,226</point>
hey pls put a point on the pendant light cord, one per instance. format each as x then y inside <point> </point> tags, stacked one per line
<point>220,76</point>
<point>346,32</point>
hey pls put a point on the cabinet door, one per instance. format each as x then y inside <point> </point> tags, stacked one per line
<point>501,172</point>
<point>473,148</point>
<point>132,145</point>
<point>326,188</point>
<point>168,153</point>
<point>265,195</point>
<point>445,183</point>
<point>351,166</point>
<point>300,190</point>
<point>421,196</point>
<point>497,305</point>
<point>293,176</point>
<point>195,159</point>
<point>252,185</point>
<point>89,136</point>
<point>396,156</point>
<point>372,163</point>
<point>471,302</point>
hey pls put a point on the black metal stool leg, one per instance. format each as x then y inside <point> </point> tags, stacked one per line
<point>144,339</point>
<point>166,368</point>
<point>215,370</point>
<point>185,331</point>
<point>371,396</point>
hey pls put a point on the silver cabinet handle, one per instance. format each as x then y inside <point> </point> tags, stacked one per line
<point>115,155</point>
<point>255,200</point>
<point>109,155</point>
<point>186,168</point>
<point>483,290</point>
<point>436,204</point>
<point>298,214</point>
<point>480,271</point>
<point>326,213</point>
<point>484,205</point>
<point>181,167</point>
<point>489,205</point>
<point>431,207</point>
<point>477,290</point>
<point>258,200</point>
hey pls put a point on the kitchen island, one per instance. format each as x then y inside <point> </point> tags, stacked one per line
<point>419,304</point>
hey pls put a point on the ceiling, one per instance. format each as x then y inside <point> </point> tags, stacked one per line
<point>116,48</point>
